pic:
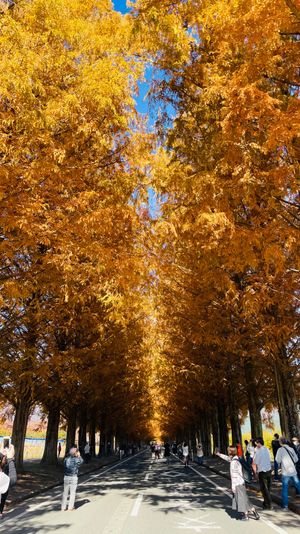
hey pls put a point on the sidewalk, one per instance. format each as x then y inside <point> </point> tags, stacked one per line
<point>221,467</point>
<point>36,478</point>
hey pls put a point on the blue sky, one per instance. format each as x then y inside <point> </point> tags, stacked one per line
<point>120,5</point>
<point>142,107</point>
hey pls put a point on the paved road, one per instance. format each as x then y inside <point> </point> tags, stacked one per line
<point>139,496</point>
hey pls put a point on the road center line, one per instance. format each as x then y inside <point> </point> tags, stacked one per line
<point>147,476</point>
<point>137,504</point>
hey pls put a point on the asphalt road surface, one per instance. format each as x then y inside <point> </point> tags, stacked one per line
<point>142,496</point>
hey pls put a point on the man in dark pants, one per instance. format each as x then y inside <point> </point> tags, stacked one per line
<point>275,446</point>
<point>262,467</point>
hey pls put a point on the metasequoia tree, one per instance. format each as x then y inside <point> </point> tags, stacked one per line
<point>71,159</point>
<point>231,180</point>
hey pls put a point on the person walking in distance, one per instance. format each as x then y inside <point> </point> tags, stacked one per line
<point>240,501</point>
<point>275,446</point>
<point>287,458</point>
<point>262,467</point>
<point>71,466</point>
<point>167,452</point>
<point>59,449</point>
<point>87,452</point>
<point>200,454</point>
<point>185,453</point>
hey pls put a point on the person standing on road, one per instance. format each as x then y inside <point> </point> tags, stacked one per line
<point>200,454</point>
<point>4,482</point>
<point>157,451</point>
<point>71,466</point>
<point>251,450</point>
<point>275,446</point>
<point>8,467</point>
<point>185,453</point>
<point>240,501</point>
<point>167,452</point>
<point>287,458</point>
<point>239,449</point>
<point>296,447</point>
<point>262,467</point>
<point>87,452</point>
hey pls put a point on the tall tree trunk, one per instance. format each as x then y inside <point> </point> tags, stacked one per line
<point>215,430</point>
<point>71,431</point>
<point>205,434</point>
<point>236,434</point>
<point>19,430</point>
<point>287,400</point>
<point>224,441</point>
<point>103,441</point>
<point>50,450</point>
<point>82,430</point>
<point>253,399</point>
<point>92,436</point>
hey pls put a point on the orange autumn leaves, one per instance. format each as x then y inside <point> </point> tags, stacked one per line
<point>71,148</point>
<point>149,312</point>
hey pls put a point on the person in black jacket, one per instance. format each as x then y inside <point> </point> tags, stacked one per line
<point>275,446</point>
<point>71,466</point>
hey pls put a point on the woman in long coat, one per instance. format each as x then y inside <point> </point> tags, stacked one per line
<point>240,501</point>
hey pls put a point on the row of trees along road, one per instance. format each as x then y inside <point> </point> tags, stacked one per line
<point>73,312</point>
<point>227,242</point>
<point>175,325</point>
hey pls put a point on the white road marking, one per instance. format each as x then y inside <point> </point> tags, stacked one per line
<point>198,524</point>
<point>150,467</point>
<point>220,488</point>
<point>267,522</point>
<point>32,508</point>
<point>137,504</point>
<point>274,527</point>
<point>147,476</point>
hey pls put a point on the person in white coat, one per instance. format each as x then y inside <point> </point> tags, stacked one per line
<point>240,501</point>
<point>4,480</point>
<point>287,458</point>
<point>185,453</point>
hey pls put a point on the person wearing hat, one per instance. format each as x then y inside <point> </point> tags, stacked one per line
<point>71,466</point>
<point>287,458</point>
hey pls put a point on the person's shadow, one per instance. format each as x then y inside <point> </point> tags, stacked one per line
<point>232,513</point>
<point>78,504</point>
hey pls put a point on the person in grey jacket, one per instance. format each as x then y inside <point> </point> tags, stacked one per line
<point>287,458</point>
<point>71,466</point>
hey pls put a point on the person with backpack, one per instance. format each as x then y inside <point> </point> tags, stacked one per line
<point>287,458</point>
<point>240,501</point>
<point>71,466</point>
